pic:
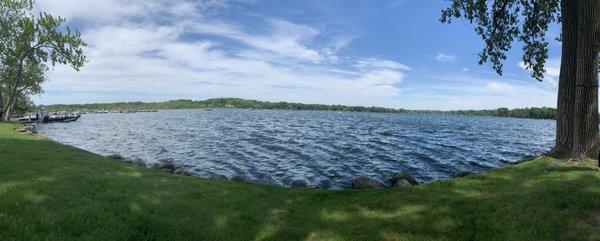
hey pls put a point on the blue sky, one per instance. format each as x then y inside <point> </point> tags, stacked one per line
<point>391,53</point>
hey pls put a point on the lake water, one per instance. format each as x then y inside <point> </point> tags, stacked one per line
<point>272,146</point>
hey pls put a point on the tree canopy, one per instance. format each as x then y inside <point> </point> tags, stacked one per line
<point>30,46</point>
<point>501,23</point>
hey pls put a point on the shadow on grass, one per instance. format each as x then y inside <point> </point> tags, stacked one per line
<point>52,192</point>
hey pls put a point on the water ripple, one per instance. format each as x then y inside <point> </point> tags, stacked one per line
<point>278,147</point>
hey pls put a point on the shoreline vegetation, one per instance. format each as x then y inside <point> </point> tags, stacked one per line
<point>55,192</point>
<point>532,113</point>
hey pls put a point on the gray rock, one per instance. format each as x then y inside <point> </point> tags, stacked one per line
<point>366,183</point>
<point>138,162</point>
<point>324,184</point>
<point>164,164</point>
<point>115,157</point>
<point>299,184</point>
<point>181,171</point>
<point>239,178</point>
<point>167,170</point>
<point>218,177</point>
<point>402,176</point>
<point>402,183</point>
<point>461,174</point>
<point>265,181</point>
<point>30,130</point>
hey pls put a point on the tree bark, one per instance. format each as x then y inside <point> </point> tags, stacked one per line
<point>1,105</point>
<point>567,80</point>
<point>13,94</point>
<point>585,125</point>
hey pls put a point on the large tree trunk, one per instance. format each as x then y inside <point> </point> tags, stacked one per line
<point>1,104</point>
<point>566,84</point>
<point>13,94</point>
<point>585,129</point>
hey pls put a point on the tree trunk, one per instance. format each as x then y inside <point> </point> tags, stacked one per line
<point>1,104</point>
<point>566,84</point>
<point>13,94</point>
<point>585,129</point>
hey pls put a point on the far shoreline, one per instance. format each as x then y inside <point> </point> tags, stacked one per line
<point>237,103</point>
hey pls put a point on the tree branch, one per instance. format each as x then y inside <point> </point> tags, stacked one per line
<point>497,15</point>
<point>30,51</point>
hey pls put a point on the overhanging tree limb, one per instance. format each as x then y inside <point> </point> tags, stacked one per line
<point>500,22</point>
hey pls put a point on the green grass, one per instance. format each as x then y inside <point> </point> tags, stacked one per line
<point>49,191</point>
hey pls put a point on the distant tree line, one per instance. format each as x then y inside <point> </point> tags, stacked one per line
<point>214,103</point>
<point>534,113</point>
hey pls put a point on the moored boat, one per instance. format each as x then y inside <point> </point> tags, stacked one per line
<point>54,117</point>
<point>26,119</point>
<point>69,119</point>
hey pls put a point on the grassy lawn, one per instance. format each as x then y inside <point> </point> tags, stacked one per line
<point>49,191</point>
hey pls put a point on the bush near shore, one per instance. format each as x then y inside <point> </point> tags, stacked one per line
<point>50,191</point>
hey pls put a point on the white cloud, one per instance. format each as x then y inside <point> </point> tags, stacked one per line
<point>379,63</point>
<point>200,56</point>
<point>283,38</point>
<point>441,57</point>
<point>552,71</point>
<point>103,11</point>
<point>98,10</point>
<point>499,86</point>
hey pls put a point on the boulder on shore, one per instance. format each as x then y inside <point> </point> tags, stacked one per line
<point>405,178</point>
<point>459,174</point>
<point>299,184</point>
<point>402,183</point>
<point>366,183</point>
<point>181,171</point>
<point>30,129</point>
<point>138,162</point>
<point>324,184</point>
<point>218,177</point>
<point>239,178</point>
<point>166,163</point>
<point>115,157</point>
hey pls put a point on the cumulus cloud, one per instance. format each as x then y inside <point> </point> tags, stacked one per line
<point>441,57</point>
<point>283,38</point>
<point>183,49</point>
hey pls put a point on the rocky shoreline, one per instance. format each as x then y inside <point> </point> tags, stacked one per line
<point>164,165</point>
<point>398,180</point>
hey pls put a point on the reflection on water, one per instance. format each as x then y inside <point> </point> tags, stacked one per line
<point>282,146</point>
